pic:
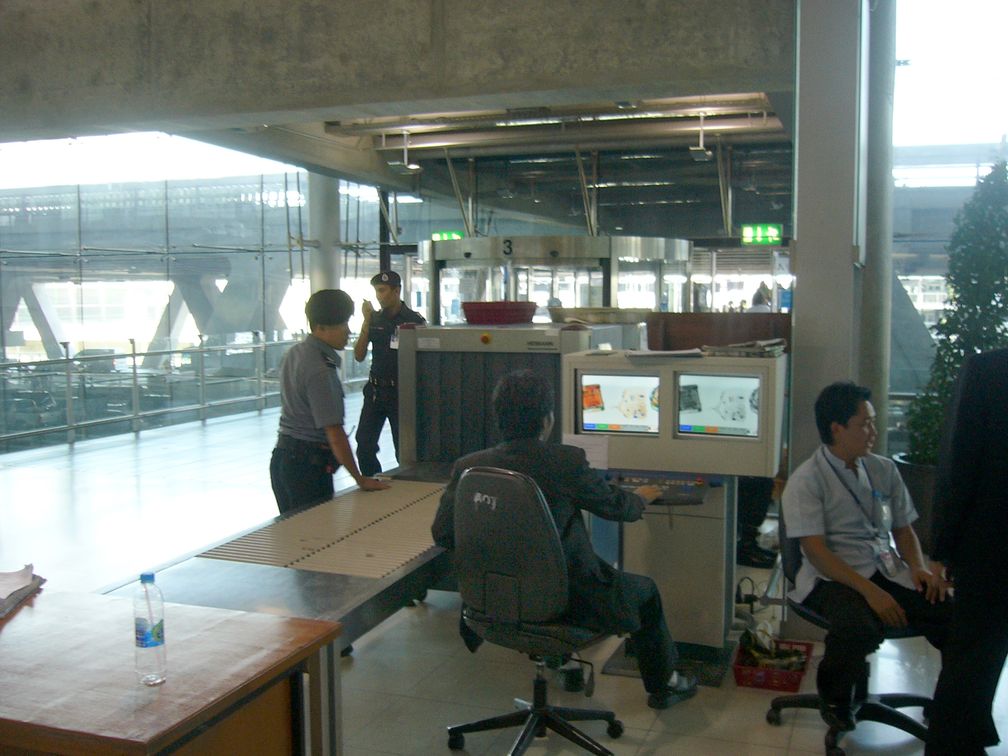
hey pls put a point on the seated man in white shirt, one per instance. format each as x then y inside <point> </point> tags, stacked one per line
<point>848,506</point>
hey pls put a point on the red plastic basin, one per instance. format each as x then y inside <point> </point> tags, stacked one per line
<point>498,313</point>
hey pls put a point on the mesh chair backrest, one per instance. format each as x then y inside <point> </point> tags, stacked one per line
<point>508,556</point>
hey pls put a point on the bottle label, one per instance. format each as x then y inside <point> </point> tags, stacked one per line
<point>147,636</point>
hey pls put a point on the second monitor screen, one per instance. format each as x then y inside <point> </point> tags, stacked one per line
<point>619,403</point>
<point>718,405</point>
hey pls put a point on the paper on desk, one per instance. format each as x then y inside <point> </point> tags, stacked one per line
<point>668,353</point>
<point>596,448</point>
<point>17,586</point>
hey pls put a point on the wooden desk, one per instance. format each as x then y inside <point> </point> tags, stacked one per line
<point>237,682</point>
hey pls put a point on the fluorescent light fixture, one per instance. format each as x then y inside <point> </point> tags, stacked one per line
<point>528,122</point>
<point>619,184</point>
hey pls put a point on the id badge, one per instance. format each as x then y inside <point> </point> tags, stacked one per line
<point>888,560</point>
<point>394,341</point>
<point>883,513</point>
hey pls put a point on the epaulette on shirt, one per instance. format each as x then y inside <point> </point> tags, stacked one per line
<point>331,361</point>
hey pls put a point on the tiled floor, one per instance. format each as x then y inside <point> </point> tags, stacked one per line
<point>100,513</point>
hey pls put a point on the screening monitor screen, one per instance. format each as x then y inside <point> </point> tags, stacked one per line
<point>619,403</point>
<point>718,405</point>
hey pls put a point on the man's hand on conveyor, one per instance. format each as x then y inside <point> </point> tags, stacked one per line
<point>372,484</point>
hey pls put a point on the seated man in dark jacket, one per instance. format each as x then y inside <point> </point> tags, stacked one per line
<point>601,597</point>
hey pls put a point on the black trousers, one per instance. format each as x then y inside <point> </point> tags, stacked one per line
<point>651,641</point>
<point>961,721</point>
<point>856,631</point>
<point>754,496</point>
<point>656,652</point>
<point>299,479</point>
<point>381,403</point>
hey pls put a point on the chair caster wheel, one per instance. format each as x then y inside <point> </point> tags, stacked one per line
<point>345,652</point>
<point>456,742</point>
<point>773,717</point>
<point>615,729</point>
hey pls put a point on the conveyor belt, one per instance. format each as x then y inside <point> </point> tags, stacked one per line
<point>363,534</point>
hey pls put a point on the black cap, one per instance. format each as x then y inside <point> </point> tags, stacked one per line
<point>387,277</point>
<point>328,307</point>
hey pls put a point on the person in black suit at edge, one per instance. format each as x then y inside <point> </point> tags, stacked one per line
<point>601,597</point>
<point>970,526</point>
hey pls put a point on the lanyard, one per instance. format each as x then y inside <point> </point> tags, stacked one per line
<point>868,513</point>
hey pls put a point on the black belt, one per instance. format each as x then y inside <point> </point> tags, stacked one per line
<point>382,382</point>
<point>289,443</point>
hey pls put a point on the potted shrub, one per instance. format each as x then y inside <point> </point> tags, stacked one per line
<point>975,320</point>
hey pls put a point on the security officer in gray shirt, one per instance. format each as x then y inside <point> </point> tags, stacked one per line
<point>312,444</point>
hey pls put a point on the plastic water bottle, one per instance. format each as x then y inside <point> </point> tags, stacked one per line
<point>148,623</point>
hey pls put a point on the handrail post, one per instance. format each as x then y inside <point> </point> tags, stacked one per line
<point>136,388</point>
<point>71,426</point>
<point>259,354</point>
<point>202,377</point>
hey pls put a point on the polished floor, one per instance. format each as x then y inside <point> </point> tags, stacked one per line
<point>99,513</point>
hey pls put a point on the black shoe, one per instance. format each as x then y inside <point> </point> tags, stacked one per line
<point>750,554</point>
<point>685,687</point>
<point>837,716</point>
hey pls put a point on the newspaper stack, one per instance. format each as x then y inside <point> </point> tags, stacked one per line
<point>759,348</point>
<point>16,587</point>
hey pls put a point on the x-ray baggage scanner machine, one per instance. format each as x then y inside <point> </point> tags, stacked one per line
<point>690,425</point>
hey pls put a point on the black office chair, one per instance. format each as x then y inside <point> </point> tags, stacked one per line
<point>866,707</point>
<point>512,575</point>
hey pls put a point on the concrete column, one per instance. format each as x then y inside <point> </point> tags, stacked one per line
<point>829,208</point>
<point>876,310</point>
<point>324,228</point>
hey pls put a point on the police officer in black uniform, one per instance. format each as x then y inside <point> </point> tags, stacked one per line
<point>381,394</point>
<point>312,444</point>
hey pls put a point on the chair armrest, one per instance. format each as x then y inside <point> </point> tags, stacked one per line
<point>775,586</point>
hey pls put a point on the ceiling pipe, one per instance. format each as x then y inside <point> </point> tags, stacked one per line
<point>388,221</point>
<point>540,139</point>
<point>458,195</point>
<point>749,104</point>
<point>725,186</point>
<point>589,221</point>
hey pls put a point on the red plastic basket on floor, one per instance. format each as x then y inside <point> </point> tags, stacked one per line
<point>786,680</point>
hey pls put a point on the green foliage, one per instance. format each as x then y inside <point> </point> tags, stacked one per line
<point>976,319</point>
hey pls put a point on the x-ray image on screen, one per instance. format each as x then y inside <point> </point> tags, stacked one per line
<point>718,405</point>
<point>619,403</point>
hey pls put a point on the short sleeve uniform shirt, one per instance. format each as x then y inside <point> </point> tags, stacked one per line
<point>311,395</point>
<point>824,497</point>
<point>384,358</point>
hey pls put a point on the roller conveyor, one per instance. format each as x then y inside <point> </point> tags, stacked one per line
<point>356,559</point>
<point>365,534</point>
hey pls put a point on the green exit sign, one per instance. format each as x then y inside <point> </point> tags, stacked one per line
<point>445,235</point>
<point>762,233</point>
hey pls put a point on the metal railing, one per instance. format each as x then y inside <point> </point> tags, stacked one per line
<point>102,392</point>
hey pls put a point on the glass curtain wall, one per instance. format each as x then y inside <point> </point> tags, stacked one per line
<point>120,299</point>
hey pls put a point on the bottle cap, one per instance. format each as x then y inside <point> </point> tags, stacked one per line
<point>146,577</point>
